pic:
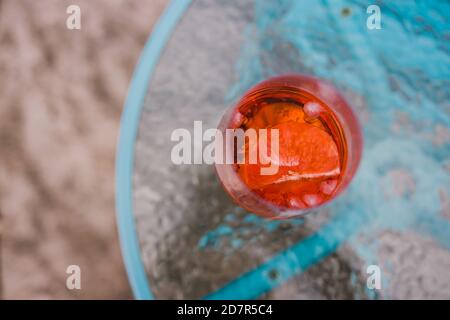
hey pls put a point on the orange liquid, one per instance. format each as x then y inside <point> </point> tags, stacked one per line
<point>312,147</point>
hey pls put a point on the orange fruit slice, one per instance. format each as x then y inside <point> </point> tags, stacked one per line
<point>279,112</point>
<point>305,152</point>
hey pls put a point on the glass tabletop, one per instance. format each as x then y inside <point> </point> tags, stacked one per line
<point>182,236</point>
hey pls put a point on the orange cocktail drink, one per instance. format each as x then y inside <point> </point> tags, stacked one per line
<point>318,146</point>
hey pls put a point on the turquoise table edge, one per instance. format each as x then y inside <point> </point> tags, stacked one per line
<point>142,75</point>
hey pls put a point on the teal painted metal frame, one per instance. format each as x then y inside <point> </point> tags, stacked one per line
<point>129,241</point>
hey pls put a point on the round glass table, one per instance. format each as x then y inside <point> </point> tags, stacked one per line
<point>182,236</point>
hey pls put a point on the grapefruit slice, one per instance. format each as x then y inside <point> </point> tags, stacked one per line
<point>274,113</point>
<point>305,152</point>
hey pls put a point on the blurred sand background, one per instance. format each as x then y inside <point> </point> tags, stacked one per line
<point>62,93</point>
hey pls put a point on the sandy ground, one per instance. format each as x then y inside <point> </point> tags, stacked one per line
<point>62,93</point>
